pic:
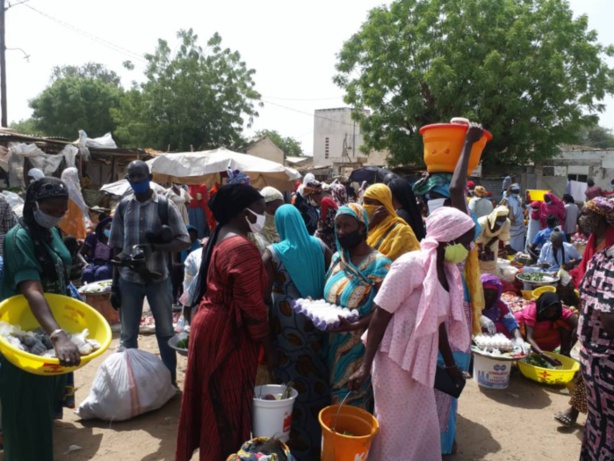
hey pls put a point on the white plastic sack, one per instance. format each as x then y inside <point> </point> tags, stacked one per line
<point>127,384</point>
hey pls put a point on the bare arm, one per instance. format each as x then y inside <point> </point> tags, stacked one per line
<point>459,178</point>
<point>267,260</point>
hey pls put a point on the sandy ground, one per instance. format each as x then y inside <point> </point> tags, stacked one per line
<point>512,424</point>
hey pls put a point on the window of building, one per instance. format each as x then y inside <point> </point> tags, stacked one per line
<point>577,177</point>
<point>326,147</point>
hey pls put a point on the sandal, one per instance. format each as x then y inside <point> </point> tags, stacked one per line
<point>565,420</point>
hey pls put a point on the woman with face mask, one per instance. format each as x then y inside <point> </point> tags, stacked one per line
<point>98,254</point>
<point>552,206</point>
<point>227,331</point>
<point>388,233</point>
<point>307,201</point>
<point>546,325</point>
<point>495,228</point>
<point>534,223</point>
<point>419,311</point>
<point>355,274</point>
<point>297,267</point>
<point>273,199</point>
<point>36,261</point>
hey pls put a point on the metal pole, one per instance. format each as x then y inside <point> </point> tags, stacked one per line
<point>4,120</point>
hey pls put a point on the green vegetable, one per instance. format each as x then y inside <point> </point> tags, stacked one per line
<point>533,276</point>
<point>538,361</point>
<point>183,343</point>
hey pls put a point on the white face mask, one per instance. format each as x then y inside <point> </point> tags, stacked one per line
<point>435,203</point>
<point>258,226</point>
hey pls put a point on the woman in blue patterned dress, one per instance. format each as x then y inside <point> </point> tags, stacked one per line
<point>296,267</point>
<point>355,274</point>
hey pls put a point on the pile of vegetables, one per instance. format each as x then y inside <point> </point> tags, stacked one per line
<point>538,361</point>
<point>37,342</point>
<point>324,315</point>
<point>533,276</point>
<point>104,286</point>
<point>183,342</point>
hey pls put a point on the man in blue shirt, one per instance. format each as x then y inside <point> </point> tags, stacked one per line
<point>543,236</point>
<point>557,253</point>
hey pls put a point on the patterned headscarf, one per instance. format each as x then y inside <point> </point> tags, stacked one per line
<point>603,207</point>
<point>236,177</point>
<point>492,282</point>
<point>438,182</point>
<point>312,187</point>
<point>339,194</point>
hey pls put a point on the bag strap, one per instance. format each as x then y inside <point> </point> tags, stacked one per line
<point>385,235</point>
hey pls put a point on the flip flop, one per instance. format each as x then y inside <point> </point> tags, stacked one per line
<point>564,420</point>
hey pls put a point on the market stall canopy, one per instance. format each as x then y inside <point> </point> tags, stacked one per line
<point>371,174</point>
<point>122,187</point>
<point>209,167</point>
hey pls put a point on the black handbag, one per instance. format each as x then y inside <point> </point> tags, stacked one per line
<point>448,384</point>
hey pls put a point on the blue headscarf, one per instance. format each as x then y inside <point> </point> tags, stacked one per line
<point>357,212</point>
<point>301,254</point>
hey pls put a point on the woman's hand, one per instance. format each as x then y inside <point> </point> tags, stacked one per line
<point>379,215</point>
<point>474,133</point>
<point>454,372</point>
<point>358,378</point>
<point>66,351</point>
<point>344,326</point>
<point>551,360</point>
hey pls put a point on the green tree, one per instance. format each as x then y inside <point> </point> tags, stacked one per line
<point>530,72</point>
<point>26,126</point>
<point>192,98</point>
<point>77,98</point>
<point>290,146</point>
<point>597,136</point>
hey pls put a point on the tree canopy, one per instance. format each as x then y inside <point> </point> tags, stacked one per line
<point>597,136</point>
<point>290,146</point>
<point>191,98</point>
<point>526,69</point>
<point>76,98</point>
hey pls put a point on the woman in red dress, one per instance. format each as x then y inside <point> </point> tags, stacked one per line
<point>227,331</point>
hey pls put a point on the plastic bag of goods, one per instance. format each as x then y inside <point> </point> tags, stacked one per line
<point>127,384</point>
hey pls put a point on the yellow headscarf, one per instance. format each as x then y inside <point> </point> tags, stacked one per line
<point>499,211</point>
<point>393,236</point>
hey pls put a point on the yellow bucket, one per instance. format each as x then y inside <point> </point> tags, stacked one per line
<point>71,314</point>
<point>527,294</point>
<point>541,290</point>
<point>562,375</point>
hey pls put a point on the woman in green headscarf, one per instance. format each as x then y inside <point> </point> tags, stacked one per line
<point>296,267</point>
<point>355,275</point>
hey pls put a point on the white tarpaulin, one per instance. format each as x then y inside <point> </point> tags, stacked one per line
<point>206,167</point>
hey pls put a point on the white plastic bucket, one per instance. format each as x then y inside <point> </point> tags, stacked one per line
<point>272,418</point>
<point>490,372</point>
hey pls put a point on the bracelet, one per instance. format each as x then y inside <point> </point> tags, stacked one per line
<point>451,366</point>
<point>55,333</point>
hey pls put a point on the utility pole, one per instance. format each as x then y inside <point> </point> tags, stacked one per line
<point>4,120</point>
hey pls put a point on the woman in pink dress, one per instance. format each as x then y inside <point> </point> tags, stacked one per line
<point>422,292</point>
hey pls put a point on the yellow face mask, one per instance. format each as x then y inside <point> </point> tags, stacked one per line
<point>370,209</point>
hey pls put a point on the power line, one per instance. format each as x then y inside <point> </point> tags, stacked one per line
<point>108,44</point>
<point>310,115</point>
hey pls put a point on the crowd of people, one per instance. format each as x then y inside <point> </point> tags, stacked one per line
<point>418,263</point>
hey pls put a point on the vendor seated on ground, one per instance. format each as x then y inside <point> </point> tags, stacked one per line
<point>547,325</point>
<point>98,253</point>
<point>557,253</point>
<point>543,236</point>
<point>496,316</point>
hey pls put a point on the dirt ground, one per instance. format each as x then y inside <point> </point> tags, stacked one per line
<point>512,424</point>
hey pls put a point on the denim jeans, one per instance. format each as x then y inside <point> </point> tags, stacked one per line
<point>160,301</point>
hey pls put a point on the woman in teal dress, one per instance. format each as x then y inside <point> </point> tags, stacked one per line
<point>35,262</point>
<point>297,267</point>
<point>355,275</point>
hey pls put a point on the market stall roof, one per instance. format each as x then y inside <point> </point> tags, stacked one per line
<point>122,187</point>
<point>209,167</point>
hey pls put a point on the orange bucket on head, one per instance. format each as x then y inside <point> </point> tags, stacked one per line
<point>443,144</point>
<point>347,433</point>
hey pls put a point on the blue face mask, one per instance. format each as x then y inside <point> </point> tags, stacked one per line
<point>107,233</point>
<point>140,187</point>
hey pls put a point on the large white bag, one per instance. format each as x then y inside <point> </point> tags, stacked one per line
<point>127,384</point>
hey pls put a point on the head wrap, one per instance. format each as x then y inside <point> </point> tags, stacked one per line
<point>312,187</point>
<point>339,194</point>
<point>236,177</point>
<point>46,188</point>
<point>479,191</point>
<point>556,209</point>
<point>227,203</point>
<point>309,177</point>
<point>470,185</point>
<point>557,236</point>
<point>271,194</point>
<point>230,200</point>
<point>383,195</point>
<point>492,282</point>
<point>437,182</point>
<point>496,213</point>
<point>357,212</point>
<point>535,210</point>
<point>603,207</point>
<point>515,186</point>
<point>300,253</point>
<point>402,192</point>
<point>443,225</point>
<point>545,301</point>
<point>100,227</point>
<point>36,173</point>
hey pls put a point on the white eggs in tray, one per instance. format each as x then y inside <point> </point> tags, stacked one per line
<point>324,315</point>
<point>497,342</point>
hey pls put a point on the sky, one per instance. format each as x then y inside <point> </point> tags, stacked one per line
<point>291,45</point>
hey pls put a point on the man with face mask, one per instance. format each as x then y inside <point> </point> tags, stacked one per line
<point>516,216</point>
<point>137,218</point>
<point>268,234</point>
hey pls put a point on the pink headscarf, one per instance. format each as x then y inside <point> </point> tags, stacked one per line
<point>556,209</point>
<point>445,224</point>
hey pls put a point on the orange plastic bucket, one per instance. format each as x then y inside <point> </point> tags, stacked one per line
<point>353,434</point>
<point>443,144</point>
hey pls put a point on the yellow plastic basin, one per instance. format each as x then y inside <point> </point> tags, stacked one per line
<point>561,375</point>
<point>527,294</point>
<point>537,194</point>
<point>72,315</point>
<point>443,144</point>
<point>541,290</point>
